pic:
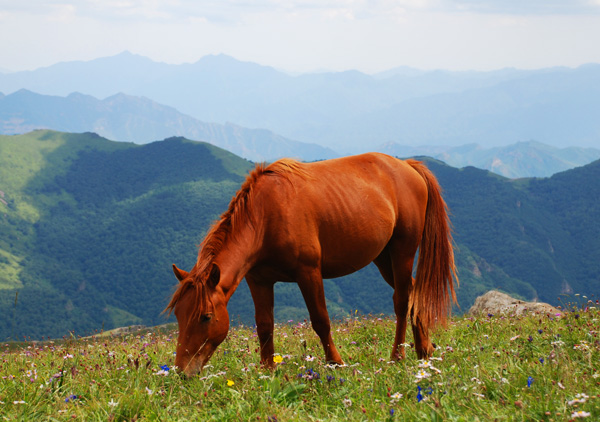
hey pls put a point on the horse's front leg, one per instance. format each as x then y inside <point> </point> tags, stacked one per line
<point>262,295</point>
<point>311,286</point>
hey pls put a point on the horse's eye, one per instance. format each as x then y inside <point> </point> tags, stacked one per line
<point>206,317</point>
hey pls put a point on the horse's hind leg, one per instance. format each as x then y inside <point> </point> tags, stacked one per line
<point>262,295</point>
<point>311,286</point>
<point>397,272</point>
<point>401,302</point>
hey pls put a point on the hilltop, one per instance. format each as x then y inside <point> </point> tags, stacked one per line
<point>90,228</point>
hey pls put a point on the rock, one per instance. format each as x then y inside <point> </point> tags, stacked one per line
<point>495,302</point>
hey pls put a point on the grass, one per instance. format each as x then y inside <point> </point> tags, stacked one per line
<point>537,367</point>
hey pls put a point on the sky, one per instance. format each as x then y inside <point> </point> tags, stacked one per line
<point>306,35</point>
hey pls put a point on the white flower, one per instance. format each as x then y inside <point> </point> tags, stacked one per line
<point>150,392</point>
<point>68,356</point>
<point>395,397</point>
<point>580,414</point>
<point>309,358</point>
<point>422,375</point>
<point>347,402</point>
<point>113,403</point>
<point>579,398</point>
<point>19,402</point>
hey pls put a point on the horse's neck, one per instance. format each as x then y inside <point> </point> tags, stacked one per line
<point>234,260</point>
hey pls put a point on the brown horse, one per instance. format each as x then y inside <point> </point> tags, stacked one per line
<point>297,222</point>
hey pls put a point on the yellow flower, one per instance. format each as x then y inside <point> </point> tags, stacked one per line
<point>230,383</point>
<point>277,359</point>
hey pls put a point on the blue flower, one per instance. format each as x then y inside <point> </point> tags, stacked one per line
<point>165,367</point>
<point>542,361</point>
<point>419,395</point>
<point>529,381</point>
<point>391,412</point>
<point>72,397</point>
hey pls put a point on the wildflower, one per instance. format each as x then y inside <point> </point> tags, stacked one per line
<point>277,359</point>
<point>72,397</point>
<point>580,414</point>
<point>542,361</point>
<point>579,398</point>
<point>113,403</point>
<point>230,383</point>
<point>391,412</point>
<point>347,402</point>
<point>514,338</point>
<point>68,356</point>
<point>422,375</point>
<point>529,381</point>
<point>19,402</point>
<point>395,397</point>
<point>582,346</point>
<point>309,358</point>
<point>419,395</point>
<point>165,367</point>
<point>150,392</point>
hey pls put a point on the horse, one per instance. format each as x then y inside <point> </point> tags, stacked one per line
<point>302,222</point>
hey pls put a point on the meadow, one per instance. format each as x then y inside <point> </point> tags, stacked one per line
<point>491,367</point>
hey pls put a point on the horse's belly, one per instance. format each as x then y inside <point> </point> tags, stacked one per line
<point>347,252</point>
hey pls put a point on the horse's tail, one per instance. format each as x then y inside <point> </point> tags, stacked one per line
<point>433,293</point>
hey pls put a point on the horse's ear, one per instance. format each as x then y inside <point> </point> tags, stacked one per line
<point>180,274</point>
<point>215,276</point>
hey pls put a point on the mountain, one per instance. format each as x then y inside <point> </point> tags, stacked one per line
<point>90,227</point>
<point>523,159</point>
<point>350,111</point>
<point>136,119</point>
<point>140,120</point>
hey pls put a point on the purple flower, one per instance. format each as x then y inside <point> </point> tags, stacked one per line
<point>529,381</point>
<point>72,397</point>
<point>419,395</point>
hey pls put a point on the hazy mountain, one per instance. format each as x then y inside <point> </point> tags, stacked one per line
<point>90,228</point>
<point>136,119</point>
<point>523,159</point>
<point>350,111</point>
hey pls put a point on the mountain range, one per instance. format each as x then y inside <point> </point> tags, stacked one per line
<point>138,119</point>
<point>90,227</point>
<point>349,111</point>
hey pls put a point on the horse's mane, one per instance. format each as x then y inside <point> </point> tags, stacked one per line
<point>236,214</point>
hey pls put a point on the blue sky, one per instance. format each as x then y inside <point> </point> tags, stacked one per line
<point>306,35</point>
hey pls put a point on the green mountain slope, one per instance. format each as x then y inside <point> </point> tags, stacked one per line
<point>90,226</point>
<point>89,229</point>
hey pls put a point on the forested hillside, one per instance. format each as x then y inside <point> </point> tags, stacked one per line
<point>90,227</point>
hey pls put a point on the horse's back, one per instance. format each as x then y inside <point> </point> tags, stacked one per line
<point>341,213</point>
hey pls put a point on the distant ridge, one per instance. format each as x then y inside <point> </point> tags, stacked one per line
<point>349,111</point>
<point>523,159</point>
<point>137,119</point>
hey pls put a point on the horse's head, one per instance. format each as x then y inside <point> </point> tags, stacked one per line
<point>201,311</point>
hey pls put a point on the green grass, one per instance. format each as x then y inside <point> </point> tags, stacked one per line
<point>484,368</point>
